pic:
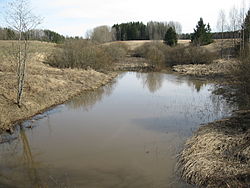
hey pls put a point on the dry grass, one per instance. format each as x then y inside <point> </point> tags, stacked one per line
<point>45,86</point>
<point>218,155</point>
<point>133,44</point>
<point>219,67</point>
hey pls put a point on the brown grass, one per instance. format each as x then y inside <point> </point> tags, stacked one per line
<point>219,67</point>
<point>218,155</point>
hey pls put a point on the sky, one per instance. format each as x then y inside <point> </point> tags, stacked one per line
<point>75,17</point>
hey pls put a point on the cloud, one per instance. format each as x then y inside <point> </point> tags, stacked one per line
<point>76,16</point>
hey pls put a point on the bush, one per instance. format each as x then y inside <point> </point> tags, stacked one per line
<point>84,54</point>
<point>154,52</point>
<point>116,50</point>
<point>188,55</point>
<point>162,55</point>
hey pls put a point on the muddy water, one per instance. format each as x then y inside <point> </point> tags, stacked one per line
<point>126,134</point>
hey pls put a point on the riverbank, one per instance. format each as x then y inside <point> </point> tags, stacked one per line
<point>45,87</point>
<point>218,155</point>
<point>218,68</point>
<point>136,64</point>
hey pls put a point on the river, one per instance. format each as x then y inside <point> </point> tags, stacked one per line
<point>125,134</point>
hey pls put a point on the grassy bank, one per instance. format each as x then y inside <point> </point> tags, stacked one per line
<point>218,155</point>
<point>45,86</point>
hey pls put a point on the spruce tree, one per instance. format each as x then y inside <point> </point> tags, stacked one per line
<point>170,37</point>
<point>202,34</point>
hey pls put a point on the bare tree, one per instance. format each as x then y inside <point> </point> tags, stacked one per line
<point>233,25</point>
<point>221,25</point>
<point>241,22</point>
<point>177,26</point>
<point>19,17</point>
<point>102,34</point>
<point>88,34</point>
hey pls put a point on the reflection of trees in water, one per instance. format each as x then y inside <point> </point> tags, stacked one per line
<point>153,81</point>
<point>89,98</point>
<point>197,84</point>
<point>194,83</point>
<point>29,160</point>
<point>234,94</point>
<point>18,165</point>
<point>221,105</point>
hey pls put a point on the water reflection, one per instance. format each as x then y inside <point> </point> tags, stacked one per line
<point>18,164</point>
<point>29,161</point>
<point>88,99</point>
<point>153,81</point>
<point>197,84</point>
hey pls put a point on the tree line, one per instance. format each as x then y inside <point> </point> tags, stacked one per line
<point>132,31</point>
<point>35,34</point>
<point>139,31</point>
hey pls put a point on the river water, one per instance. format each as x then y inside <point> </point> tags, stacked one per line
<point>126,134</point>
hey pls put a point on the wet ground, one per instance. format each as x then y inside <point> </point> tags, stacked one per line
<point>126,134</point>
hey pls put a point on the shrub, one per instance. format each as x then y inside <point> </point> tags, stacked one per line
<point>84,54</point>
<point>116,50</point>
<point>154,52</point>
<point>162,55</point>
<point>188,55</point>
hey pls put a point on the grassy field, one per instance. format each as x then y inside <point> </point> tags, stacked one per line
<point>133,44</point>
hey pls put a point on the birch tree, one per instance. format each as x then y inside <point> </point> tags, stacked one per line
<point>221,25</point>
<point>241,20</point>
<point>20,18</point>
<point>233,22</point>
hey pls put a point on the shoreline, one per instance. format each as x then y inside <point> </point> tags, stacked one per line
<point>45,88</point>
<point>8,127</point>
<point>218,153</point>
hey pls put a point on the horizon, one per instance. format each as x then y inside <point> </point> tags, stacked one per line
<point>76,17</point>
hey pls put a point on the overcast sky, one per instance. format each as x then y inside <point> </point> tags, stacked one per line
<point>75,17</point>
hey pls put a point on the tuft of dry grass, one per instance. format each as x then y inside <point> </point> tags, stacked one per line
<point>219,67</point>
<point>218,155</point>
